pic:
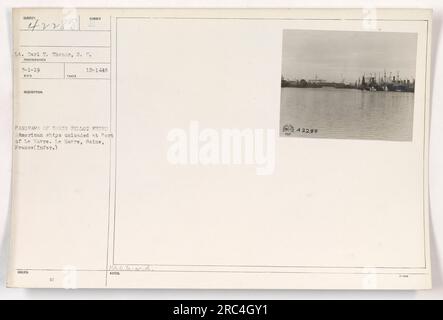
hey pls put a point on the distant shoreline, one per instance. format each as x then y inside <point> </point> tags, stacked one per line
<point>335,88</point>
<point>347,88</point>
<point>392,84</point>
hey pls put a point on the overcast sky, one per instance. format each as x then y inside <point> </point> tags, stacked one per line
<point>332,55</point>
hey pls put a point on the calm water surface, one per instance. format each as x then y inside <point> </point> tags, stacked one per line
<point>348,113</point>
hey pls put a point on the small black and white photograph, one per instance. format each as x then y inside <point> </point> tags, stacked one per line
<point>348,84</point>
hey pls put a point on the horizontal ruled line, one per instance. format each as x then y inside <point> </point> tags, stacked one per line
<point>28,30</point>
<point>55,62</point>
<point>48,46</point>
<point>227,271</point>
<point>65,79</point>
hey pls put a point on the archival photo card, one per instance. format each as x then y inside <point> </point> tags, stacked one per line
<point>348,84</point>
<point>169,149</point>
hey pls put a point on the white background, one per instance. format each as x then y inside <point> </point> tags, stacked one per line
<point>436,158</point>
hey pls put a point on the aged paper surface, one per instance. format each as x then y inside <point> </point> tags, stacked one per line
<point>221,149</point>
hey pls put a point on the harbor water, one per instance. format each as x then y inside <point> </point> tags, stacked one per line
<point>346,114</point>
